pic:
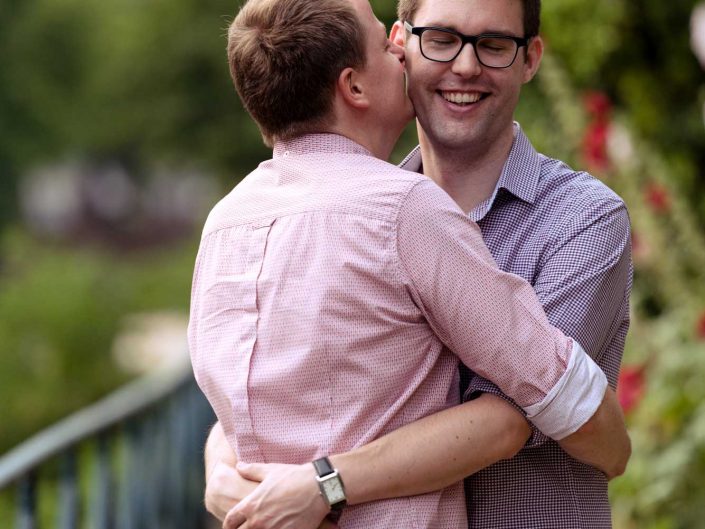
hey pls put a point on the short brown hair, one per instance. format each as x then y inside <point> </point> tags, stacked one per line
<point>406,10</point>
<point>285,57</point>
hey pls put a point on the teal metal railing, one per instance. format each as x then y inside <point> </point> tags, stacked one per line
<point>131,461</point>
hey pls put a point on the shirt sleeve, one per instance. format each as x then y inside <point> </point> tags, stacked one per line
<point>490,319</point>
<point>583,285</point>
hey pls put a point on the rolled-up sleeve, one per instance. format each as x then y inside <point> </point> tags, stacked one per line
<point>492,320</point>
<point>582,284</point>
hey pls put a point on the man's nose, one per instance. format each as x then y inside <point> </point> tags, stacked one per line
<point>466,63</point>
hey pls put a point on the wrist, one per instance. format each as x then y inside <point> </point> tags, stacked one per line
<point>361,469</point>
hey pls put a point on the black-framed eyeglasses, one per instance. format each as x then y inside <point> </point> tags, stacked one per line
<point>445,44</point>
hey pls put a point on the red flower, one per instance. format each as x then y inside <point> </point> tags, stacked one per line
<point>630,388</point>
<point>700,327</point>
<point>594,147</point>
<point>657,198</point>
<point>597,104</point>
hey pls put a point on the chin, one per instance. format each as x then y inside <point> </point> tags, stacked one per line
<point>456,140</point>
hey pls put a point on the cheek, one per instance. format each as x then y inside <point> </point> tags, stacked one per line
<point>427,76</point>
<point>416,71</point>
<point>514,89</point>
<point>419,83</point>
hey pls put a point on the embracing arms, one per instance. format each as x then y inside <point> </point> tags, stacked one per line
<point>424,456</point>
<point>403,456</point>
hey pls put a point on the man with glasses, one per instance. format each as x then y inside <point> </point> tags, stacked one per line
<point>563,231</point>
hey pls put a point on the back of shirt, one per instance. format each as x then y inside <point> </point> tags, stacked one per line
<point>303,336</point>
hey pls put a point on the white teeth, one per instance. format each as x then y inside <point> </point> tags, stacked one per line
<point>461,97</point>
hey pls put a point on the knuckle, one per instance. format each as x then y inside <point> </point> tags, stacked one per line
<point>216,480</point>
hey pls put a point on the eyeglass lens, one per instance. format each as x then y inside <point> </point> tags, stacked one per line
<point>494,52</point>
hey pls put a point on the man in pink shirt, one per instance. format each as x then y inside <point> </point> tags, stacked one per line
<point>329,283</point>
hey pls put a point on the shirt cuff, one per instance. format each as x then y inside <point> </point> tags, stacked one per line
<point>573,400</point>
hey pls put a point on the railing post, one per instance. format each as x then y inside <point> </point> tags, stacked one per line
<point>27,502</point>
<point>180,435</point>
<point>200,418</point>
<point>68,492</point>
<point>101,505</point>
<point>128,509</point>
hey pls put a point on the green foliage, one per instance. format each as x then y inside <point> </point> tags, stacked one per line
<point>639,54</point>
<point>663,484</point>
<point>583,34</point>
<point>662,488</point>
<point>59,312</point>
<point>656,77</point>
<point>128,80</point>
<point>385,10</point>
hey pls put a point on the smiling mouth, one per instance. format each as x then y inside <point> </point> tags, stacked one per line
<point>462,98</point>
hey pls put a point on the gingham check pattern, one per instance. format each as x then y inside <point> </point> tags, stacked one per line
<point>567,234</point>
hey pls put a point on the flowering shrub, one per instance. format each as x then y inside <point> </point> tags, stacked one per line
<point>661,386</point>
<point>594,148</point>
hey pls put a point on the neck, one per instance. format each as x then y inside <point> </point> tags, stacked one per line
<point>378,140</point>
<point>363,126</point>
<point>468,174</point>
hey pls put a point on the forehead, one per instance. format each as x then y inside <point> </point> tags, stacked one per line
<point>472,16</point>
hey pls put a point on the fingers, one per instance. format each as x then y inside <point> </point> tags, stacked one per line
<point>287,498</point>
<point>234,519</point>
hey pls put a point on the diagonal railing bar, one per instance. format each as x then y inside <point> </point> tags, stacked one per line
<point>124,403</point>
<point>139,449</point>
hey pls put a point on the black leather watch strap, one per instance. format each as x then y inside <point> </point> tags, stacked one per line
<point>323,467</point>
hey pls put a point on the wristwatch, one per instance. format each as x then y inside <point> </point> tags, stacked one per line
<point>331,485</point>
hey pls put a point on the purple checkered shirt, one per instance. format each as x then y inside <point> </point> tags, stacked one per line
<point>567,234</point>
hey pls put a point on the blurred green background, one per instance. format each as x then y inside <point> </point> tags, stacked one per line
<point>119,129</point>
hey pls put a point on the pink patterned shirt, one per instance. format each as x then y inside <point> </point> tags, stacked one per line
<point>329,290</point>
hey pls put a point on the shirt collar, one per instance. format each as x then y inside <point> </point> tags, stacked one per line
<point>318,143</point>
<point>520,174</point>
<point>522,170</point>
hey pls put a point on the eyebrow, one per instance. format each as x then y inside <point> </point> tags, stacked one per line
<point>486,31</point>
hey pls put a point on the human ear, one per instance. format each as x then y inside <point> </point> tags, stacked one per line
<point>534,53</point>
<point>351,88</point>
<point>398,34</point>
